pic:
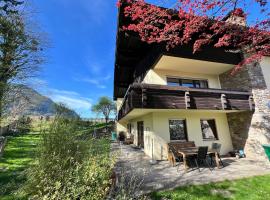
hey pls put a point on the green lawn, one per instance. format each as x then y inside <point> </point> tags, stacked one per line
<point>255,188</point>
<point>18,155</point>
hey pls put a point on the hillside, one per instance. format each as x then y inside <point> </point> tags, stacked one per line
<point>23,100</point>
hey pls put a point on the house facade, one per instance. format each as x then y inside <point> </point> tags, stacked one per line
<point>177,96</point>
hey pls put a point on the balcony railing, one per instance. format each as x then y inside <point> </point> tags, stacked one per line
<point>148,96</point>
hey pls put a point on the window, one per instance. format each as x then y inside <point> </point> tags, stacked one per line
<point>178,130</point>
<point>187,83</point>
<point>172,82</point>
<point>209,130</point>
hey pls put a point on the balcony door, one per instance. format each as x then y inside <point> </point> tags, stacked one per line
<point>140,130</point>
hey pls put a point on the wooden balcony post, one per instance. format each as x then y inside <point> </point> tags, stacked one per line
<point>144,97</point>
<point>187,100</point>
<point>251,102</point>
<point>224,102</point>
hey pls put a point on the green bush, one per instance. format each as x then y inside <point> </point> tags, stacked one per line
<point>68,167</point>
<point>24,125</point>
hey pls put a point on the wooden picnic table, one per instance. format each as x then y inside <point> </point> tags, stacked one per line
<point>191,151</point>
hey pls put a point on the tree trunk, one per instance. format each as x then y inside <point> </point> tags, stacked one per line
<point>106,121</point>
<point>2,90</point>
<point>1,107</point>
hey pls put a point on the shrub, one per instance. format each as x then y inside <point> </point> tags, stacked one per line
<point>68,167</point>
<point>24,125</point>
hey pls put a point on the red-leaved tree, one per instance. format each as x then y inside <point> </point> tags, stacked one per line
<point>202,23</point>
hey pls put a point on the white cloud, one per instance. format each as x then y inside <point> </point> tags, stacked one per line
<point>108,77</point>
<point>98,82</point>
<point>71,98</point>
<point>73,102</point>
<point>64,92</point>
<point>95,82</point>
<point>95,68</point>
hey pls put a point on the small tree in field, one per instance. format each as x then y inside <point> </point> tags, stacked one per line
<point>104,106</point>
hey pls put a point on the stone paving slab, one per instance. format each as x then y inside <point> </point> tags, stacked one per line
<point>162,175</point>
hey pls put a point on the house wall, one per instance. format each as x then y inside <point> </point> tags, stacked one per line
<point>156,127</point>
<point>160,77</point>
<point>161,127</point>
<point>265,65</point>
<point>148,132</point>
<point>120,126</point>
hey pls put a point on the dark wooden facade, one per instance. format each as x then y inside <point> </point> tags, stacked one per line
<point>148,96</point>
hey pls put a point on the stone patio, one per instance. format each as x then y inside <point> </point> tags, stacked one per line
<point>162,175</point>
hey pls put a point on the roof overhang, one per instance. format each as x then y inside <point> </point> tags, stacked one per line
<point>191,65</point>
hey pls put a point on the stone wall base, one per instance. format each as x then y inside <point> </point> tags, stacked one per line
<point>249,132</point>
<point>259,134</point>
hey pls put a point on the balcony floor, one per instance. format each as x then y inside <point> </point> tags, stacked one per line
<point>163,176</point>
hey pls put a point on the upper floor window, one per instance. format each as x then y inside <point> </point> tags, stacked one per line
<point>192,83</point>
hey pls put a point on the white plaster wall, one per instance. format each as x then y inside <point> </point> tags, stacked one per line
<point>156,127</point>
<point>265,65</point>
<point>161,128</point>
<point>121,127</point>
<point>160,77</point>
<point>148,132</point>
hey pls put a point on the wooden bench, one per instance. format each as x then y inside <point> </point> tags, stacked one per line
<point>129,141</point>
<point>177,146</point>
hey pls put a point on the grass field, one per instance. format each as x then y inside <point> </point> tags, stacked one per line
<point>18,155</point>
<point>255,188</point>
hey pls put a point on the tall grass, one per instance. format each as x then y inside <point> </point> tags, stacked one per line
<point>68,167</point>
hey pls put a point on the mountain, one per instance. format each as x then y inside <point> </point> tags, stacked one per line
<point>23,100</point>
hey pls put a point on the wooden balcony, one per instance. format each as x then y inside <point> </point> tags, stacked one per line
<point>146,96</point>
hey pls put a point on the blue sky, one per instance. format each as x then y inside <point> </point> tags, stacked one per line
<point>80,60</point>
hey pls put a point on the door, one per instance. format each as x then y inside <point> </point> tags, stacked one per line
<point>140,129</point>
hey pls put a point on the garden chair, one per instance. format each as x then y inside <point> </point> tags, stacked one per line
<point>216,147</point>
<point>202,157</point>
<point>175,156</point>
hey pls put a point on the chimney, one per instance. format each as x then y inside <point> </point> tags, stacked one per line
<point>237,16</point>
